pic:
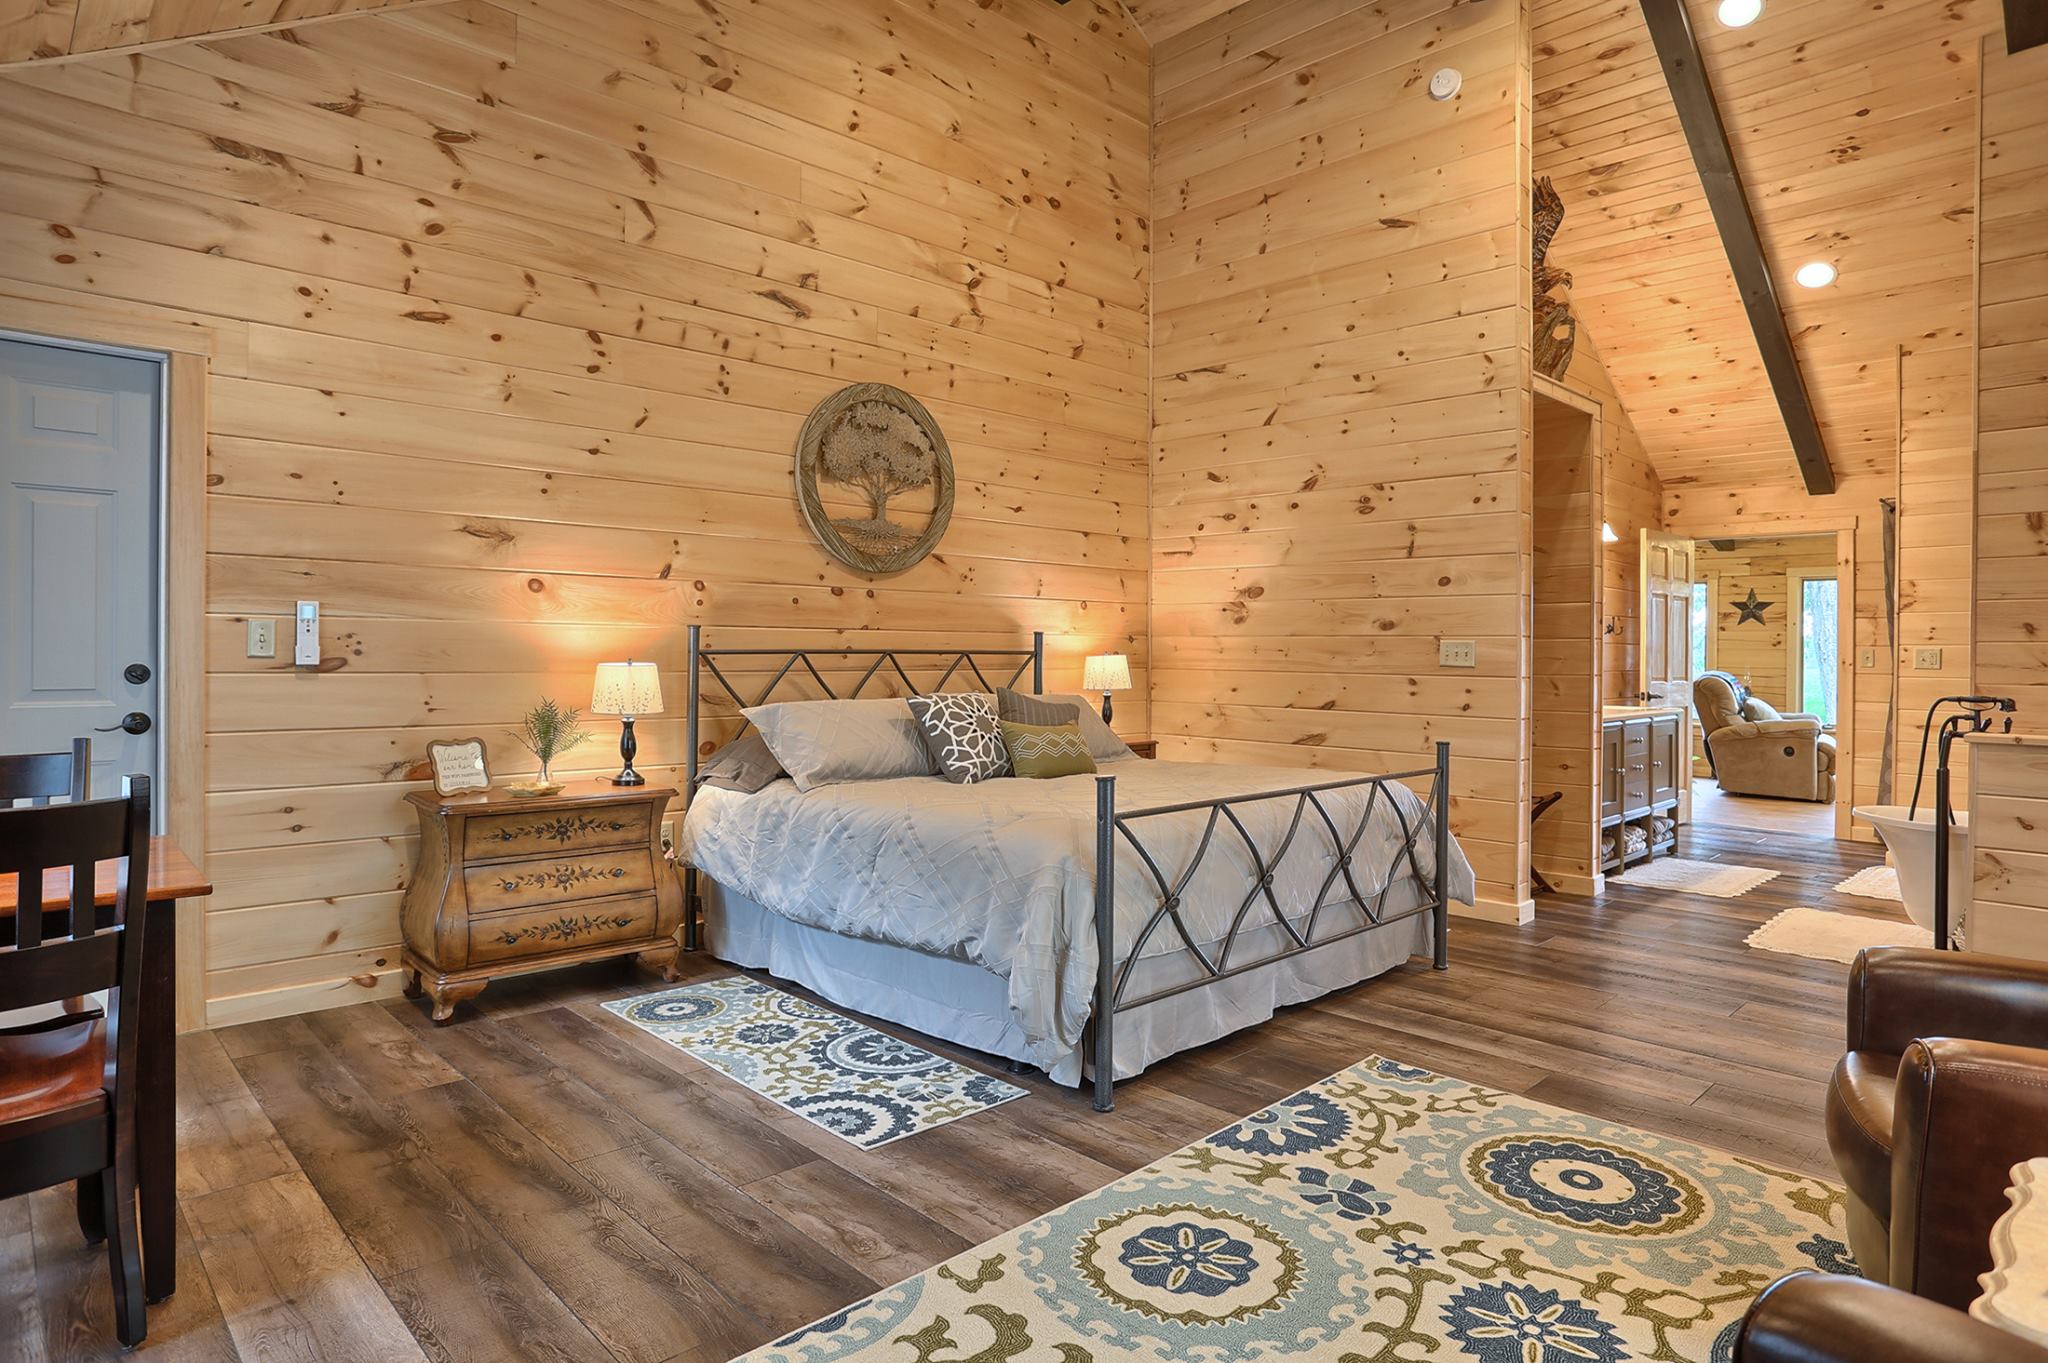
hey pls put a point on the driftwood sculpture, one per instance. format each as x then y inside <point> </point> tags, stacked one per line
<point>1556,330</point>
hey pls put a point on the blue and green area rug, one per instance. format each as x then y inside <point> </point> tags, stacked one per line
<point>862,1085</point>
<point>1385,1215</point>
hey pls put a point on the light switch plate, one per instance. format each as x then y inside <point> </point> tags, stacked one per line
<point>1457,653</point>
<point>262,639</point>
<point>1867,659</point>
<point>306,635</point>
<point>1927,659</point>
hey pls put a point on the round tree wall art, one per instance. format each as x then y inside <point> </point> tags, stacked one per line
<point>874,478</point>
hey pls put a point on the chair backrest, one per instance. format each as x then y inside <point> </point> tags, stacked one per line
<point>39,777</point>
<point>1717,699</point>
<point>61,953</point>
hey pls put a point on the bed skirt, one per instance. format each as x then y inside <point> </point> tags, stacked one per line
<point>969,1006</point>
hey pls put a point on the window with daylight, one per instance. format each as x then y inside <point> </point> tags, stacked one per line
<point>1816,646</point>
<point>1702,627</point>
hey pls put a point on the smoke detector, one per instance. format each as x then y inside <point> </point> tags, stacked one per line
<point>1445,83</point>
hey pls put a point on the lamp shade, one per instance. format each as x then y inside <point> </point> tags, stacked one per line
<point>1106,672</point>
<point>627,688</point>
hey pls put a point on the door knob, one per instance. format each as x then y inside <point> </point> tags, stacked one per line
<point>136,673</point>
<point>134,722</point>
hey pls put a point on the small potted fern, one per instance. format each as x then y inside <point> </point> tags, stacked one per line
<point>547,731</point>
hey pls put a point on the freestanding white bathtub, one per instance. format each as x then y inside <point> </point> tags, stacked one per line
<point>1911,841</point>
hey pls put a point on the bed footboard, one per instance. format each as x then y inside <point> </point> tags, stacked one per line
<point>1339,887</point>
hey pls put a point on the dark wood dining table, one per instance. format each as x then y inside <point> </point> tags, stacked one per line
<point>172,877</point>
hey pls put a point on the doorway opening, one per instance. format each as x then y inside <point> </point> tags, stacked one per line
<point>82,487</point>
<point>1767,633</point>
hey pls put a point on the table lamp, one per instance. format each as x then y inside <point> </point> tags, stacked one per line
<point>626,689</point>
<point>1106,672</point>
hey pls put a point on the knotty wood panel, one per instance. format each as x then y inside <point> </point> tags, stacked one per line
<point>521,308</point>
<point>1340,406</point>
<point>2009,869</point>
<point>1760,654</point>
<point>1565,685</point>
<point>1851,124</point>
<point>2011,514</point>
<point>40,30</point>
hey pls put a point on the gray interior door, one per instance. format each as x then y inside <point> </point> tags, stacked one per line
<point>79,432</point>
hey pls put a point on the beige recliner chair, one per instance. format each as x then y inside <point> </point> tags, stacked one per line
<point>1754,750</point>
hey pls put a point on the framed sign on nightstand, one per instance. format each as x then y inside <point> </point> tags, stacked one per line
<point>459,765</point>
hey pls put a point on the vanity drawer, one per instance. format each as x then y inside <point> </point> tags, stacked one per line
<point>488,837</point>
<point>572,927</point>
<point>544,881</point>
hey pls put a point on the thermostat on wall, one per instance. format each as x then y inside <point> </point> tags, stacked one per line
<point>1445,83</point>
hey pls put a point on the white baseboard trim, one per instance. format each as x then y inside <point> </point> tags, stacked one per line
<point>1496,910</point>
<point>1573,883</point>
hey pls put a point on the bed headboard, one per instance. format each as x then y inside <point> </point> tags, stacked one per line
<point>799,660</point>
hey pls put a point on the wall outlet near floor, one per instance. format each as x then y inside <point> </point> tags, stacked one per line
<point>262,638</point>
<point>1927,659</point>
<point>1867,659</point>
<point>1457,653</point>
<point>668,835</point>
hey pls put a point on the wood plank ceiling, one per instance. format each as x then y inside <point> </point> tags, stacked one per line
<point>38,30</point>
<point>1853,126</point>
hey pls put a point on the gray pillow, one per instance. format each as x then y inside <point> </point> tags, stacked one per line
<point>1014,707</point>
<point>825,742</point>
<point>963,735</point>
<point>1103,744</point>
<point>745,765</point>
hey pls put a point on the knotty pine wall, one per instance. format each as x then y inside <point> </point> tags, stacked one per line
<point>1341,414</point>
<point>1760,654</point>
<point>2011,512</point>
<point>1633,502</point>
<point>519,307</point>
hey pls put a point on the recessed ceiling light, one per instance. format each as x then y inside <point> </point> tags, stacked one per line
<point>1740,13</point>
<point>1816,274</point>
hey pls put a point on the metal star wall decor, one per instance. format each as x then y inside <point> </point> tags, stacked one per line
<point>1751,609</point>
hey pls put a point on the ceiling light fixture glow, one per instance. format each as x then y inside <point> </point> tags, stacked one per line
<point>1607,535</point>
<point>1740,13</point>
<point>1816,274</point>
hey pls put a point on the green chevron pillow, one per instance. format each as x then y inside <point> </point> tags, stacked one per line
<point>1042,750</point>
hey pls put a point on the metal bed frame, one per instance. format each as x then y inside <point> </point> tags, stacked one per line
<point>1112,983</point>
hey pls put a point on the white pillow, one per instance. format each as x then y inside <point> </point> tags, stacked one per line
<point>2016,1289</point>
<point>1103,744</point>
<point>826,742</point>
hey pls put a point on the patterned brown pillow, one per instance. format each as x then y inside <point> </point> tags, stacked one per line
<point>962,735</point>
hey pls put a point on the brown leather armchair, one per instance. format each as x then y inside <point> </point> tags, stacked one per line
<point>1944,1088</point>
<point>1811,1318</point>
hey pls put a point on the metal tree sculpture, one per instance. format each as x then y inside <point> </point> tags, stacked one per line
<point>880,442</point>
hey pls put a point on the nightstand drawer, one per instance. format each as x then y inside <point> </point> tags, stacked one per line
<point>539,932</point>
<point>491,836</point>
<point>547,880</point>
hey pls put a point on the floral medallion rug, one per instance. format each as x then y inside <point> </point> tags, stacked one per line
<point>1385,1215</point>
<point>865,1086</point>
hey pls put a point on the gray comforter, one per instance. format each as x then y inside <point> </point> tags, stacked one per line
<point>1002,873</point>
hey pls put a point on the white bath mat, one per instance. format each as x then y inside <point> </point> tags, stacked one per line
<point>1873,882</point>
<point>1721,879</point>
<point>1825,936</point>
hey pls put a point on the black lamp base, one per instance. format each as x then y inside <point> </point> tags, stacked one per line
<point>1107,708</point>
<point>628,745</point>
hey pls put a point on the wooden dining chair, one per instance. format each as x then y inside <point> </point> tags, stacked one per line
<point>67,1093</point>
<point>38,778</point>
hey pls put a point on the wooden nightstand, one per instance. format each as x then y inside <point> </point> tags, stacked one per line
<point>1143,747</point>
<point>504,885</point>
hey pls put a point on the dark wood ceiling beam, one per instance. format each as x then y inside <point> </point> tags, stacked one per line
<point>2026,24</point>
<point>1678,51</point>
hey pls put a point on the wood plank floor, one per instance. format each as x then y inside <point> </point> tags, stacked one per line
<point>1760,814</point>
<point>542,1181</point>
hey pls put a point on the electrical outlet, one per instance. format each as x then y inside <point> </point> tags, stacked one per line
<point>1927,659</point>
<point>1457,653</point>
<point>262,639</point>
<point>668,835</point>
<point>1867,659</point>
